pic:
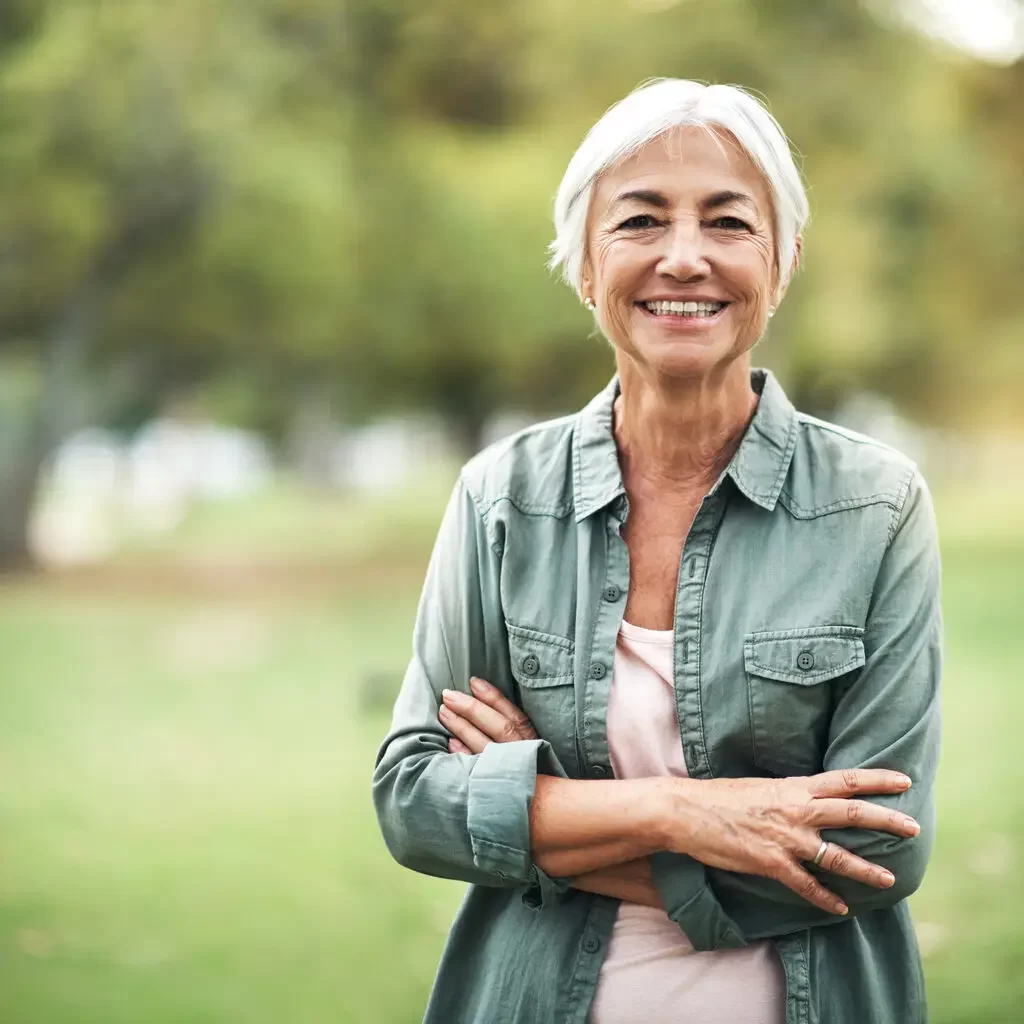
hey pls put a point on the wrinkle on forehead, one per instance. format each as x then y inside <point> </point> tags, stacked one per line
<point>669,151</point>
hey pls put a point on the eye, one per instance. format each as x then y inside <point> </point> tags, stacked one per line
<point>730,224</point>
<point>637,222</point>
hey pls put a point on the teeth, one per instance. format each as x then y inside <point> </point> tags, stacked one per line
<point>685,308</point>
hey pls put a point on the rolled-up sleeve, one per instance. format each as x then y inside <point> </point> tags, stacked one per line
<point>460,816</point>
<point>888,718</point>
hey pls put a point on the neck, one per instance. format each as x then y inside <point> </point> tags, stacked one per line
<point>681,433</point>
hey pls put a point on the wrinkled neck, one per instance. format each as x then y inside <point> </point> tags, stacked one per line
<point>681,433</point>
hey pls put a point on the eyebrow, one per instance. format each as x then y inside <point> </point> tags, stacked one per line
<point>725,198</point>
<point>643,195</point>
<point>650,197</point>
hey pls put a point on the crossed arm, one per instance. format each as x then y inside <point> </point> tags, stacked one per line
<point>733,851</point>
<point>601,834</point>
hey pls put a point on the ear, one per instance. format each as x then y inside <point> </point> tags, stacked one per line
<point>798,249</point>
<point>586,284</point>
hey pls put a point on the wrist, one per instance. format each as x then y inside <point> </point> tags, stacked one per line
<point>678,814</point>
<point>667,813</point>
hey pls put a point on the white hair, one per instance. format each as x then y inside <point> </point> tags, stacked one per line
<point>650,111</point>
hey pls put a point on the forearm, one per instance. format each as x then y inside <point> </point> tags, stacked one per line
<point>581,826</point>
<point>630,882</point>
<point>583,860</point>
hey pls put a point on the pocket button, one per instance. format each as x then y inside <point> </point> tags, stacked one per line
<point>531,664</point>
<point>805,661</point>
<point>597,670</point>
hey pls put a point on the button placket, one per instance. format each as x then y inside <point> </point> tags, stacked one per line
<point>607,611</point>
<point>692,578</point>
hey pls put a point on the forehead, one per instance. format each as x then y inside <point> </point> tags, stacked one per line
<point>684,164</point>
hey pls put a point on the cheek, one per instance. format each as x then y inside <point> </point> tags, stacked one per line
<point>758,273</point>
<point>617,274</point>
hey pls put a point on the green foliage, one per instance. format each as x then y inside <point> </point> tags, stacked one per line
<point>360,194</point>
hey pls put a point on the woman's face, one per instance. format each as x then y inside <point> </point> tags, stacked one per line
<point>688,219</point>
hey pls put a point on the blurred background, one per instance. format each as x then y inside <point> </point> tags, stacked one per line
<point>269,271</point>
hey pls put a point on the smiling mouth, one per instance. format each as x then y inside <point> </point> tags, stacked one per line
<point>685,310</point>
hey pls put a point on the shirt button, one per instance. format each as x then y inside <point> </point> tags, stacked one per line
<point>531,664</point>
<point>805,661</point>
<point>591,944</point>
<point>598,671</point>
<point>611,593</point>
<point>598,771</point>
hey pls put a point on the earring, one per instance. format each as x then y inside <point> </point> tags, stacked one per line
<point>771,312</point>
<point>589,303</point>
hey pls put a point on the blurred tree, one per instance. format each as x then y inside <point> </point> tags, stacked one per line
<point>161,218</point>
<point>303,204</point>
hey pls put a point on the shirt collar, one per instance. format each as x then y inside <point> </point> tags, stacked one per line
<point>758,468</point>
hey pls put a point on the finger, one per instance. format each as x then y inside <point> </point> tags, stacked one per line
<point>464,731</point>
<point>839,861</point>
<point>804,884</point>
<point>837,813</point>
<point>494,698</point>
<point>851,781</point>
<point>494,725</point>
<point>458,747</point>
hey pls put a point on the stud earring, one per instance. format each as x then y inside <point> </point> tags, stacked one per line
<point>771,312</point>
<point>589,303</point>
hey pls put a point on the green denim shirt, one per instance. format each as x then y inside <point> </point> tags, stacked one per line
<point>807,638</point>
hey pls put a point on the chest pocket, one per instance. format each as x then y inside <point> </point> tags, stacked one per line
<point>793,680</point>
<point>542,665</point>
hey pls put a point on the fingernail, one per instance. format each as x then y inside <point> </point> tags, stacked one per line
<point>444,712</point>
<point>455,697</point>
<point>888,879</point>
<point>476,684</point>
<point>906,781</point>
<point>842,909</point>
<point>911,827</point>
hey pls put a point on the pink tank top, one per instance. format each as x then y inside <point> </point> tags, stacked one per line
<point>652,974</point>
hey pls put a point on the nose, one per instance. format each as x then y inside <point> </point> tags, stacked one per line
<point>684,257</point>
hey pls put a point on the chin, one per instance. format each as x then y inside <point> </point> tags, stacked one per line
<point>684,358</point>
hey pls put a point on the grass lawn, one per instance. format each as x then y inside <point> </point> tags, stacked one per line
<point>186,833</point>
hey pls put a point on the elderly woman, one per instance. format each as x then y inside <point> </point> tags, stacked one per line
<point>673,701</point>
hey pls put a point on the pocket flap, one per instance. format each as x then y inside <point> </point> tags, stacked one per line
<point>804,656</point>
<point>539,659</point>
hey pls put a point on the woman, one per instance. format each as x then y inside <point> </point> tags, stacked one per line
<point>673,701</point>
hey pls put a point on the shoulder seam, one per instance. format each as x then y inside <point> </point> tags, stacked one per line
<point>850,435</point>
<point>554,511</point>
<point>480,511</point>
<point>904,493</point>
<point>841,505</point>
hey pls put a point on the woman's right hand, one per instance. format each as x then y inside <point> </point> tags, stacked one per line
<point>769,826</point>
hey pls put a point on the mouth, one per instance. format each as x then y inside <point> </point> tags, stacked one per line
<point>702,310</point>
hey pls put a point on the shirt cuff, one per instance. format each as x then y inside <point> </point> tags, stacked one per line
<point>543,891</point>
<point>689,901</point>
<point>501,787</point>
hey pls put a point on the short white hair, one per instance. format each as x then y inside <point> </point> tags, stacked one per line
<point>651,110</point>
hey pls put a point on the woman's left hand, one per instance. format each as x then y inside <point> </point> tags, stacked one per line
<point>485,716</point>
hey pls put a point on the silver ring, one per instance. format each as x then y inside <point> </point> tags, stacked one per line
<point>820,854</point>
